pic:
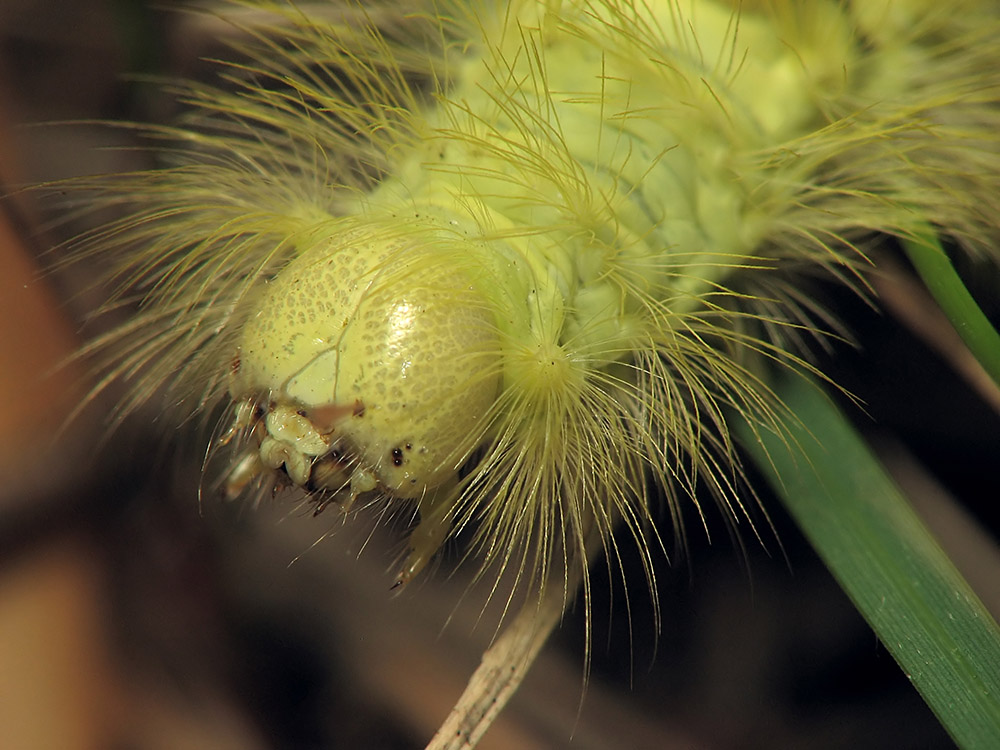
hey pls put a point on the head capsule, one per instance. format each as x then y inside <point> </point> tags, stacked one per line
<point>374,359</point>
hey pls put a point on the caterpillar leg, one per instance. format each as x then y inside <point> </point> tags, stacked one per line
<point>426,539</point>
<point>244,471</point>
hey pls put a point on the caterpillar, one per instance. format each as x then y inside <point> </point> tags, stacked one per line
<point>515,266</point>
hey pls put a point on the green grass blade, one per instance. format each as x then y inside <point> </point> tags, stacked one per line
<point>944,283</point>
<point>887,561</point>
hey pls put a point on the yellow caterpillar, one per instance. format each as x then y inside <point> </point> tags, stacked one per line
<point>516,264</point>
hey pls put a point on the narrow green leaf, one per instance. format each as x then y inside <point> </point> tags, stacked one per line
<point>944,283</point>
<point>886,560</point>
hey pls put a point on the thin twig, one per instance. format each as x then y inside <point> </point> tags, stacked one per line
<point>505,664</point>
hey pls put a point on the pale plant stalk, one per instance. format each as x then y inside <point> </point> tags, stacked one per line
<point>505,664</point>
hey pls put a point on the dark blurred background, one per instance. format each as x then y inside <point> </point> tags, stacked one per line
<point>136,614</point>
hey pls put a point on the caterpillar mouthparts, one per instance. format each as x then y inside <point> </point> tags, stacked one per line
<point>517,264</point>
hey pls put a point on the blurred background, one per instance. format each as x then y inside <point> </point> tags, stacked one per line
<point>137,613</point>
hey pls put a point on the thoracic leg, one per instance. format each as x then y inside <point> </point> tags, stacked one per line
<point>426,539</point>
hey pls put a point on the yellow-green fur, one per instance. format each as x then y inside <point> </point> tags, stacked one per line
<point>622,195</point>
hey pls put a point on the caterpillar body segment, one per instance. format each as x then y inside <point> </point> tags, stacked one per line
<point>517,269</point>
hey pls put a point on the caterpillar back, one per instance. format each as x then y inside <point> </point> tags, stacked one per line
<point>517,265</point>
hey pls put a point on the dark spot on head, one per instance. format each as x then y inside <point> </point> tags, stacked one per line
<point>408,447</point>
<point>300,412</point>
<point>397,457</point>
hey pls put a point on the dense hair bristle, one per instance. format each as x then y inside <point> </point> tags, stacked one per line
<point>329,115</point>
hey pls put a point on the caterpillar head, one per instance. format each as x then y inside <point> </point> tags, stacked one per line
<point>369,363</point>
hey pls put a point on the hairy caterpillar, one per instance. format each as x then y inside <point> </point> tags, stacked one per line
<point>515,264</point>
